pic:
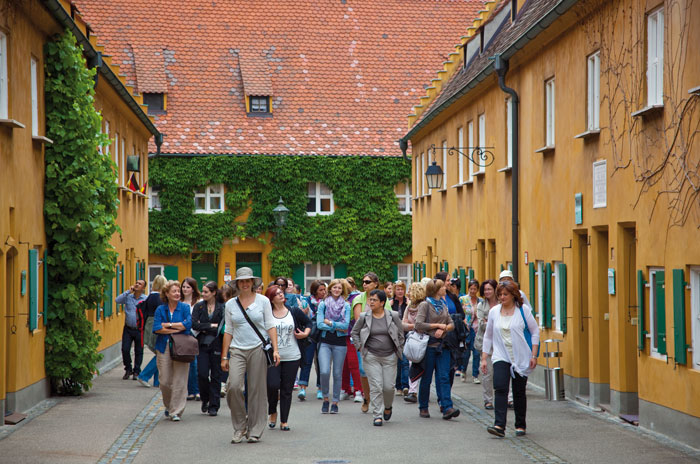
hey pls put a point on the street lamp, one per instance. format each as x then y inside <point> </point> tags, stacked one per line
<point>434,176</point>
<point>280,212</point>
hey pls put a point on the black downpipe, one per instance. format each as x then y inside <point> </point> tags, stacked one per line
<point>501,67</point>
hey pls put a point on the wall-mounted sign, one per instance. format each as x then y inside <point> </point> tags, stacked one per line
<point>227,272</point>
<point>611,281</point>
<point>526,258</point>
<point>600,185</point>
<point>578,202</point>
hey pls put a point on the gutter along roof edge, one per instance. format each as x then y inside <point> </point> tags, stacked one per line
<point>296,155</point>
<point>63,17</point>
<point>526,37</point>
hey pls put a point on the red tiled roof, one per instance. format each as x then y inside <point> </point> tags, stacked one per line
<point>343,73</point>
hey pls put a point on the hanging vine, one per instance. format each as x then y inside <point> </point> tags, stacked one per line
<point>366,231</point>
<point>80,212</point>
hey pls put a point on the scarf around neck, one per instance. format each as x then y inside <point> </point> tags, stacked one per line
<point>437,304</point>
<point>335,308</point>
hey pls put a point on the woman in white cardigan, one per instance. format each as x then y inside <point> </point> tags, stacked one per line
<point>512,356</point>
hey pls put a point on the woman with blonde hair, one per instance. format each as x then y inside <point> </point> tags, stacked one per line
<point>434,319</point>
<point>149,306</point>
<point>416,295</point>
<point>172,317</point>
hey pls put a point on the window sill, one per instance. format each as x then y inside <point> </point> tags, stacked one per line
<point>11,123</point>
<point>259,115</point>
<point>202,211</point>
<point>589,134</point>
<point>138,194</point>
<point>545,150</point>
<point>442,190</point>
<point>506,169</point>
<point>695,90</point>
<point>650,110</point>
<point>41,139</point>
<point>479,174</point>
<point>468,182</point>
<point>318,214</point>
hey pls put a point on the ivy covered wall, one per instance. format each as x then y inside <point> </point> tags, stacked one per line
<point>366,231</point>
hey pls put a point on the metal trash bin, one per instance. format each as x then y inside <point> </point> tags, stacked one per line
<point>553,376</point>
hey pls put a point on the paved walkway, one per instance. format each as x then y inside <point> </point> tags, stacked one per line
<point>120,421</point>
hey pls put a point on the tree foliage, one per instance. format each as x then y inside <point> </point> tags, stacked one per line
<point>80,212</point>
<point>366,231</point>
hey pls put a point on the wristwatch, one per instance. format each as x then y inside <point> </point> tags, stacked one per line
<point>171,325</point>
<point>225,359</point>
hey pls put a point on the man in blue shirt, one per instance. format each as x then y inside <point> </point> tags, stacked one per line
<point>132,332</point>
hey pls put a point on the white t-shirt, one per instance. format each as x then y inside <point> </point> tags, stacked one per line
<point>260,314</point>
<point>286,342</point>
<point>504,327</point>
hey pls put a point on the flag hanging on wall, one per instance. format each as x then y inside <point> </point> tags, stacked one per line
<point>133,185</point>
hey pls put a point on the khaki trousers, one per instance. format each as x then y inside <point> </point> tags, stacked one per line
<point>253,363</point>
<point>173,382</point>
<point>381,373</point>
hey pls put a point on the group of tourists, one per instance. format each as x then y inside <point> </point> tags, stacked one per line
<point>262,342</point>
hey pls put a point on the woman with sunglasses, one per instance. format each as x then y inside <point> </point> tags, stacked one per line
<point>370,282</point>
<point>292,327</point>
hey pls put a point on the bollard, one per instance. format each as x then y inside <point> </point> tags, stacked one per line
<point>553,376</point>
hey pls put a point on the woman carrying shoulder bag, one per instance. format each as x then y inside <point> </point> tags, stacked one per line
<point>171,318</point>
<point>206,316</point>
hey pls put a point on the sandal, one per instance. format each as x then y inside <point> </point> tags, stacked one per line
<point>190,397</point>
<point>378,422</point>
<point>494,430</point>
<point>284,428</point>
<point>271,423</point>
<point>387,415</point>
<point>488,406</point>
<point>519,432</point>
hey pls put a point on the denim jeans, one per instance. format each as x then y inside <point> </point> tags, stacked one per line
<point>402,373</point>
<point>438,362</point>
<point>476,359</point>
<point>336,353</point>
<point>192,379</point>
<point>151,370</point>
<point>305,370</point>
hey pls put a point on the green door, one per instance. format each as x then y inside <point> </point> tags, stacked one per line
<point>251,260</point>
<point>204,269</point>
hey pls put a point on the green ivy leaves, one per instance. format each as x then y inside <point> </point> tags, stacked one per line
<point>80,210</point>
<point>366,231</point>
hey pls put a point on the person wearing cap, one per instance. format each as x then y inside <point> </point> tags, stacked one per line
<point>508,275</point>
<point>245,356</point>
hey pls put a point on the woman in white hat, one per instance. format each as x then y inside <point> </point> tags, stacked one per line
<point>246,356</point>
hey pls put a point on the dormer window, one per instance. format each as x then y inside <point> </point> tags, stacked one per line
<point>155,102</point>
<point>259,105</point>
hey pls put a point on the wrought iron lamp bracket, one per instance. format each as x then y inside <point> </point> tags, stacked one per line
<point>480,156</point>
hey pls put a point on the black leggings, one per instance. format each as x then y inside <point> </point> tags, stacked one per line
<point>280,381</point>
<point>501,382</point>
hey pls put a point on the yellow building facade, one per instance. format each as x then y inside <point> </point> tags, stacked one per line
<point>607,168</point>
<point>25,28</point>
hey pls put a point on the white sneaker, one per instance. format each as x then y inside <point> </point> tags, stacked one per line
<point>175,418</point>
<point>464,378</point>
<point>143,382</point>
<point>343,395</point>
<point>476,380</point>
<point>358,397</point>
<point>238,436</point>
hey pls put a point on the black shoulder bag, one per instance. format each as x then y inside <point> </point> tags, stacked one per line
<point>267,346</point>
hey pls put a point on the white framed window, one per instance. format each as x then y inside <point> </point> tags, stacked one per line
<point>556,302</point>
<point>154,198</point>
<point>655,57</point>
<point>404,273</point>
<point>539,277</point>
<point>422,174</point>
<point>444,165</point>
<point>106,149</point>
<point>317,271</point>
<point>4,106</point>
<point>460,147</point>
<point>473,152</point>
<point>600,184</point>
<point>653,329</point>
<point>482,142</point>
<point>209,199</point>
<point>34,77</point>
<point>122,163</point>
<point>417,176</point>
<point>320,199</point>
<point>116,159</point>
<point>593,93</point>
<point>695,315</point>
<point>153,271</point>
<point>509,132</point>
<point>549,112</point>
<point>403,195</point>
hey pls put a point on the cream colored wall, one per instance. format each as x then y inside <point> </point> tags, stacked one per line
<point>600,344</point>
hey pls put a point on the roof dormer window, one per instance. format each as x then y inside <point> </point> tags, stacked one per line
<point>155,102</point>
<point>259,105</point>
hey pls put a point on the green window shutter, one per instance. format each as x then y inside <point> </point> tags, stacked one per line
<point>548,296</point>
<point>660,303</point>
<point>121,288</point>
<point>138,271</point>
<point>395,272</point>
<point>502,268</point>
<point>340,271</point>
<point>46,287</point>
<point>108,299</point>
<point>471,274</point>
<point>415,272</point>
<point>679,346</point>
<point>143,270</point>
<point>423,273</point>
<point>170,272</point>
<point>510,266</point>
<point>463,279</point>
<point>454,273</point>
<point>447,267</point>
<point>640,310</point>
<point>33,289</point>
<point>118,285</point>
<point>531,268</point>
<point>561,272</point>
<point>298,276</point>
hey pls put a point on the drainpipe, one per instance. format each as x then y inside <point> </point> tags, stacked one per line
<point>501,67</point>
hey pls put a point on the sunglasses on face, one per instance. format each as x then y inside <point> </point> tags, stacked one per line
<point>367,282</point>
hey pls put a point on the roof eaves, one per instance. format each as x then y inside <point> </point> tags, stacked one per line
<point>63,17</point>
<point>518,44</point>
<point>296,155</point>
